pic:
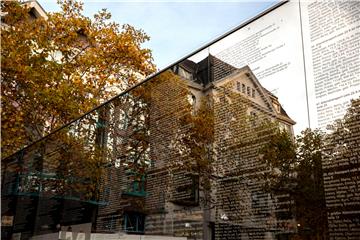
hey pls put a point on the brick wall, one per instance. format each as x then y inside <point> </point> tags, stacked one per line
<point>243,208</point>
<point>168,104</point>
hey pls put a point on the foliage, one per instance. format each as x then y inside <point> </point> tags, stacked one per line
<point>280,157</point>
<point>296,169</point>
<point>64,165</point>
<point>309,192</point>
<point>128,131</point>
<point>201,142</point>
<point>196,142</point>
<point>55,69</point>
<point>318,151</point>
<point>340,142</point>
<point>299,167</point>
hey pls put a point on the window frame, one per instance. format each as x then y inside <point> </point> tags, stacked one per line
<point>139,227</point>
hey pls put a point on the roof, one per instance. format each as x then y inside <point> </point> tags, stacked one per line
<point>212,69</point>
<point>208,70</point>
<point>282,110</point>
<point>36,9</point>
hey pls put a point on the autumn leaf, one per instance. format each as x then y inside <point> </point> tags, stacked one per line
<point>53,70</point>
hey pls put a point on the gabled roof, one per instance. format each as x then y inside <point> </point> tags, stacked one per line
<point>265,94</point>
<point>36,10</point>
<point>212,70</point>
<point>249,74</point>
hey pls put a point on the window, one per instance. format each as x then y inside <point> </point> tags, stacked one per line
<point>136,186</point>
<point>253,93</point>
<point>243,88</point>
<point>134,222</point>
<point>238,86</point>
<point>185,189</point>
<point>101,127</point>
<point>288,128</point>
<point>106,194</point>
<point>110,223</point>
<point>253,118</point>
<point>192,101</point>
<point>222,99</point>
<point>248,91</point>
<point>259,200</point>
<point>123,120</point>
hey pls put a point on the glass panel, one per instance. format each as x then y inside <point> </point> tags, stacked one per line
<point>218,146</point>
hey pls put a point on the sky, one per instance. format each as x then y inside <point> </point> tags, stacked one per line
<point>176,28</point>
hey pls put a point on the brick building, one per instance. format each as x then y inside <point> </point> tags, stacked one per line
<point>239,208</point>
<point>163,198</point>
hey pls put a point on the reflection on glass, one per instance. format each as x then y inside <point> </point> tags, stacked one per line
<point>216,147</point>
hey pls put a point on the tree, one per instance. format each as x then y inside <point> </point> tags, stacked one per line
<point>309,192</point>
<point>195,143</point>
<point>279,154</point>
<point>55,69</point>
<point>319,153</point>
<point>341,165</point>
<point>340,142</point>
<point>296,169</point>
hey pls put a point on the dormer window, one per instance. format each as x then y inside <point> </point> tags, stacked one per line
<point>185,74</point>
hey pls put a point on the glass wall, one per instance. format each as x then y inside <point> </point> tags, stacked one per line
<point>228,143</point>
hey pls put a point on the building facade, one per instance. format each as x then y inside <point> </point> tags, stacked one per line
<point>146,186</point>
<point>174,202</point>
